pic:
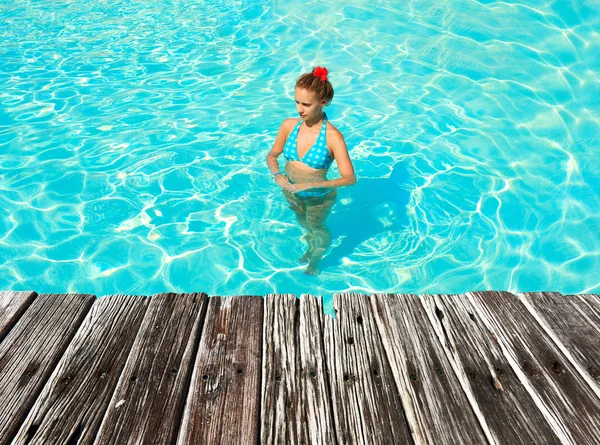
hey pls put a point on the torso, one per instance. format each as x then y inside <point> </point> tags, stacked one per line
<point>296,170</point>
<point>307,137</point>
<point>299,173</point>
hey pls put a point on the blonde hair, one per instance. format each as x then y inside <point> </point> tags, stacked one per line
<point>318,84</point>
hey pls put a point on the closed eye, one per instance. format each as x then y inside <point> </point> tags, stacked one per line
<point>306,105</point>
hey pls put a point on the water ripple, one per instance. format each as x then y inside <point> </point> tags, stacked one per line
<point>133,136</point>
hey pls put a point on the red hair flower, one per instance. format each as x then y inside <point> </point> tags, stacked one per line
<point>321,73</point>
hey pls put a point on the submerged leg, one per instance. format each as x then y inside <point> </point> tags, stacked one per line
<point>309,237</point>
<point>316,215</point>
<point>322,241</point>
<point>301,214</point>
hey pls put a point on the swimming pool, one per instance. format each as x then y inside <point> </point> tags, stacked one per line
<point>133,137</point>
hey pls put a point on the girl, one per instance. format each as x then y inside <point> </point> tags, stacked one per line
<point>309,145</point>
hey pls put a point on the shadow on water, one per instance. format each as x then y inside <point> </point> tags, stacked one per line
<point>376,206</point>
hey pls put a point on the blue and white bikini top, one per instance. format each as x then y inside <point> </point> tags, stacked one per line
<point>317,156</point>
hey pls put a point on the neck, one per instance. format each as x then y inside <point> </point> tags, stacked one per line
<point>316,120</point>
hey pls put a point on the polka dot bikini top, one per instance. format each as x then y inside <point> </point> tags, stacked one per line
<point>317,156</point>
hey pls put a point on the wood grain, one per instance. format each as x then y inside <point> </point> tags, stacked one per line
<point>73,402</point>
<point>591,300</point>
<point>280,394</point>
<point>574,326</point>
<point>295,404</point>
<point>223,402</point>
<point>436,407</point>
<point>31,350</point>
<point>12,306</point>
<point>316,413</point>
<point>505,409</point>
<point>559,391</point>
<point>366,406</point>
<point>147,405</point>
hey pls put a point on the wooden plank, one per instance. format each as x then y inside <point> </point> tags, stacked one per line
<point>147,405</point>
<point>592,300</point>
<point>503,406</point>
<point>223,402</point>
<point>12,306</point>
<point>73,402</point>
<point>366,406</point>
<point>295,404</point>
<point>280,405</point>
<point>559,391</point>
<point>315,387</point>
<point>436,407</point>
<point>31,350</point>
<point>574,326</point>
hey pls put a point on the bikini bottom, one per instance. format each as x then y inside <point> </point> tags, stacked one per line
<point>317,206</point>
<point>312,193</point>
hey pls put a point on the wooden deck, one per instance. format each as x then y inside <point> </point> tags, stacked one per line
<point>479,368</point>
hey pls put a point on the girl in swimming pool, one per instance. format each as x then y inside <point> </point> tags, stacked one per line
<point>309,145</point>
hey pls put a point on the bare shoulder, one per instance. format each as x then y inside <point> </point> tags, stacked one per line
<point>289,122</point>
<point>288,125</point>
<point>333,134</point>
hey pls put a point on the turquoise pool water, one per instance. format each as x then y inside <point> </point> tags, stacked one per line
<point>133,136</point>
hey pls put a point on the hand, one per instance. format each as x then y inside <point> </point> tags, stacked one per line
<point>295,188</point>
<point>282,181</point>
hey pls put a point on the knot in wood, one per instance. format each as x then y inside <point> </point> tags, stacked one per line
<point>594,372</point>
<point>530,369</point>
<point>557,368</point>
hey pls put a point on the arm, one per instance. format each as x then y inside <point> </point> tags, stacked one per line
<point>342,159</point>
<point>276,150</point>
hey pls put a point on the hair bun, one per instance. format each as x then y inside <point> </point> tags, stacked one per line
<point>321,73</point>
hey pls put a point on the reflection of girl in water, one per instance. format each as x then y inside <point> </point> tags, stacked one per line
<point>309,145</point>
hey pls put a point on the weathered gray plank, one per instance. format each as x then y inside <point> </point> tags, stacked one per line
<point>223,402</point>
<point>12,306</point>
<point>315,388</point>
<point>73,402</point>
<point>366,406</point>
<point>574,326</point>
<point>590,306</point>
<point>592,300</point>
<point>503,406</point>
<point>567,402</point>
<point>436,407</point>
<point>295,389</point>
<point>280,417</point>
<point>31,350</point>
<point>147,405</point>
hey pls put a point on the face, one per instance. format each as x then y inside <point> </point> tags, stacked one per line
<point>307,104</point>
